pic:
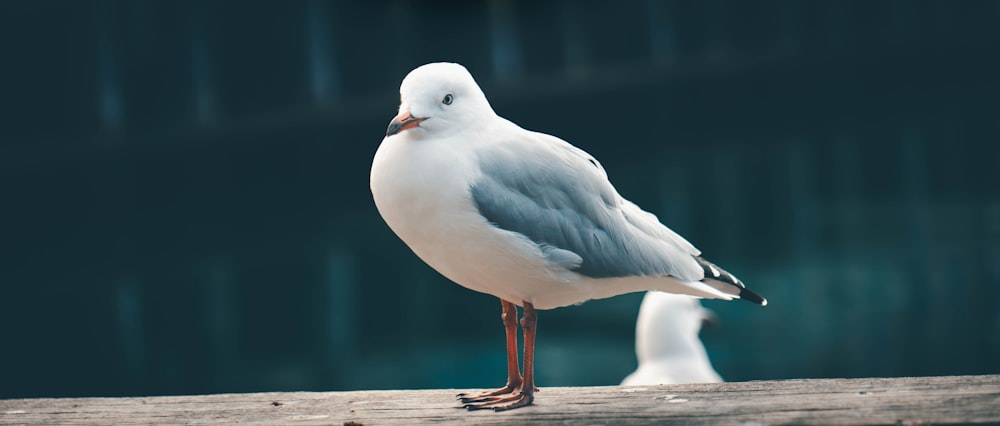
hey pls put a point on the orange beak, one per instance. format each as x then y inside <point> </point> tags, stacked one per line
<point>402,122</point>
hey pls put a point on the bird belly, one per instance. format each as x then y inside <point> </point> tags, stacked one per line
<point>462,246</point>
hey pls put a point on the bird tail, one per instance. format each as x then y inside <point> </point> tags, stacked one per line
<point>750,296</point>
<point>726,282</point>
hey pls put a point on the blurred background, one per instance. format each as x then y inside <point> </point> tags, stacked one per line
<point>185,202</point>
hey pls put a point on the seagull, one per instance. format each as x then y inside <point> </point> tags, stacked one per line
<point>667,344</point>
<point>521,215</point>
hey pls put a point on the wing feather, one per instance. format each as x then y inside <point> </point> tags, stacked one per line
<point>559,197</point>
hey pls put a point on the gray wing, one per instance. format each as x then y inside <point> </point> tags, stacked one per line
<point>559,197</point>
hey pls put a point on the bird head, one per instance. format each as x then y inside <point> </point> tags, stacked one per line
<point>668,325</point>
<point>438,98</point>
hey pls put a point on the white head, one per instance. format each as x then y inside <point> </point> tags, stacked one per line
<point>438,98</point>
<point>668,326</point>
<point>667,342</point>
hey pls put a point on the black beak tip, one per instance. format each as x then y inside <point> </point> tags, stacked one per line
<point>399,124</point>
<point>394,127</point>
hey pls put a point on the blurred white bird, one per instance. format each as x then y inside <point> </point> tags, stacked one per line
<point>667,343</point>
<point>521,215</point>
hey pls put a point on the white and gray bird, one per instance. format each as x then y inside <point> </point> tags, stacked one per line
<point>520,215</point>
<point>667,343</point>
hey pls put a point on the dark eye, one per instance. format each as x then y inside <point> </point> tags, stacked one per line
<point>447,99</point>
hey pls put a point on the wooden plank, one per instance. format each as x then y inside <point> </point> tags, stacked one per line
<point>915,400</point>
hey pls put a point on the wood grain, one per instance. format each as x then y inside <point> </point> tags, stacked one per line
<point>913,400</point>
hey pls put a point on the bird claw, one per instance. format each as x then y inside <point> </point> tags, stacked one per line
<point>509,389</point>
<point>503,399</point>
<point>501,403</point>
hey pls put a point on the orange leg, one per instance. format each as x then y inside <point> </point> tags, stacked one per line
<point>509,317</point>
<point>524,394</point>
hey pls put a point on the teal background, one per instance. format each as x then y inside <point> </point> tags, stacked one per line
<point>184,202</point>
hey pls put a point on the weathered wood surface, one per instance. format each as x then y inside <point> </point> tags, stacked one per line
<point>917,400</point>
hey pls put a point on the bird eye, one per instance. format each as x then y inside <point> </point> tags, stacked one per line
<point>448,99</point>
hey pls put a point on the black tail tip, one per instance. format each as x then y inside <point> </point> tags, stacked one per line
<point>752,297</point>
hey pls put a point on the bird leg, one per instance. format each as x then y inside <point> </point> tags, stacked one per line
<point>509,316</point>
<point>523,394</point>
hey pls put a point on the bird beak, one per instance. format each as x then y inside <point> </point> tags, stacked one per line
<point>402,122</point>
